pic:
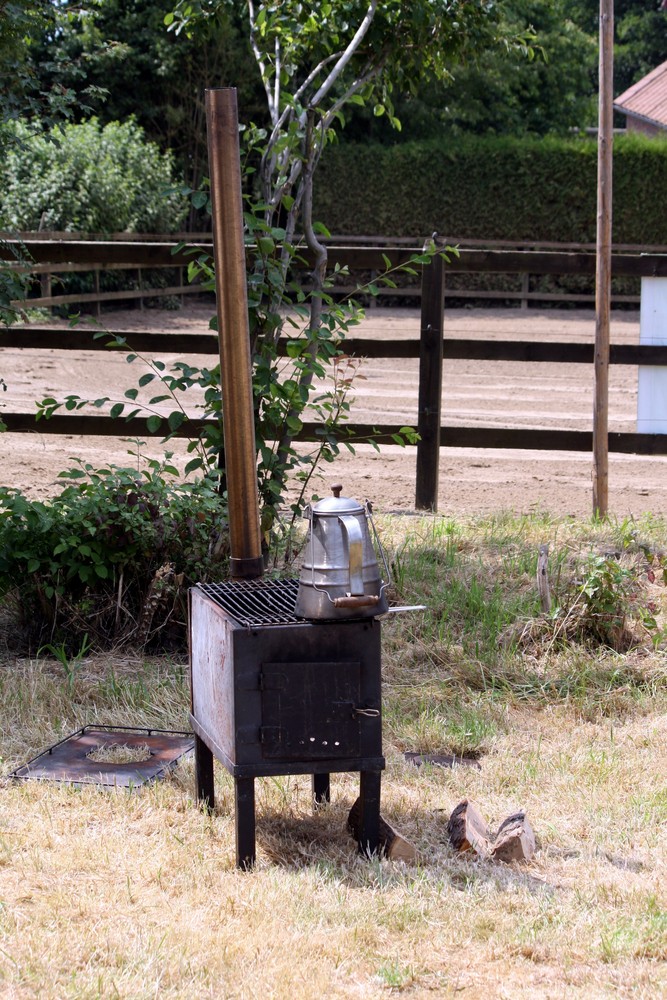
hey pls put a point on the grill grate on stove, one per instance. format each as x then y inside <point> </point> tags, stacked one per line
<point>253,603</point>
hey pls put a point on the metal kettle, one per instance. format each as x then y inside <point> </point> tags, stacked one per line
<point>340,577</point>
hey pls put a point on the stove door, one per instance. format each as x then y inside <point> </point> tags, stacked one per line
<point>310,710</point>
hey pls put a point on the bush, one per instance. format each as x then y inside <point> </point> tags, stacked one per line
<point>490,188</point>
<point>87,178</point>
<point>110,557</point>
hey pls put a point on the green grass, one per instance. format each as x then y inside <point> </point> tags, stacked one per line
<point>105,894</point>
<point>484,631</point>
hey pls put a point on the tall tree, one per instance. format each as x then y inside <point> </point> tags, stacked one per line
<point>500,93</point>
<point>120,58</point>
<point>22,91</point>
<point>641,36</point>
<point>318,60</point>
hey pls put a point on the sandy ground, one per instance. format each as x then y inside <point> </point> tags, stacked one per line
<point>474,393</point>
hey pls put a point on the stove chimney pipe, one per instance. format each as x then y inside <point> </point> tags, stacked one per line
<point>233,333</point>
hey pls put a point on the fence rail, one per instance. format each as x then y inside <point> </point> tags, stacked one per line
<point>431,348</point>
<point>454,348</point>
<point>49,256</point>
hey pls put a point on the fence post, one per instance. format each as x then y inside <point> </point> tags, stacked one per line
<point>45,289</point>
<point>430,384</point>
<point>96,281</point>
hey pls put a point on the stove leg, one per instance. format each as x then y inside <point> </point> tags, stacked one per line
<point>204,774</point>
<point>369,812</point>
<point>244,792</point>
<point>321,789</point>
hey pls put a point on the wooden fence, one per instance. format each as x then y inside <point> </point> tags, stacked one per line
<point>432,349</point>
<point>61,254</point>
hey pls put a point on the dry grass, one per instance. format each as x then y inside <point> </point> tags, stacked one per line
<point>136,895</point>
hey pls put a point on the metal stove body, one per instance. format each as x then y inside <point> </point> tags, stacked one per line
<point>273,694</point>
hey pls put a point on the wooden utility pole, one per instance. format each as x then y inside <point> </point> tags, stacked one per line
<point>603,260</point>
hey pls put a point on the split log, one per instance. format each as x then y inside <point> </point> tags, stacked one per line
<point>392,845</point>
<point>515,840</point>
<point>468,830</point>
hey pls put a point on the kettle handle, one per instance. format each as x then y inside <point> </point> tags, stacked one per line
<point>355,553</point>
<point>361,601</point>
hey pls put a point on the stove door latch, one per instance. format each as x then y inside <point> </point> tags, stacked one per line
<point>358,711</point>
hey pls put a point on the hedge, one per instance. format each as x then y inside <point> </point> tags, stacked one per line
<point>493,189</point>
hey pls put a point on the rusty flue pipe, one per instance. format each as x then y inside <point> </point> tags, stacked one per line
<point>233,333</point>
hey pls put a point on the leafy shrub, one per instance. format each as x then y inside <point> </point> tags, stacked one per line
<point>88,178</point>
<point>493,188</point>
<point>111,555</point>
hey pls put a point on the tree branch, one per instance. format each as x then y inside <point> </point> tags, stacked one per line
<point>259,60</point>
<point>361,81</point>
<point>347,54</point>
<point>318,274</point>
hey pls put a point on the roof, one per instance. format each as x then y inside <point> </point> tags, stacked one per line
<point>647,98</point>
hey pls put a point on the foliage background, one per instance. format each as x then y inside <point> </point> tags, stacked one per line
<point>496,188</point>
<point>89,178</point>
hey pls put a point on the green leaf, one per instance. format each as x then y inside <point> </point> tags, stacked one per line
<point>116,410</point>
<point>153,424</point>
<point>176,419</point>
<point>266,245</point>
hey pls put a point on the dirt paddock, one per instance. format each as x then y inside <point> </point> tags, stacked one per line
<point>472,481</point>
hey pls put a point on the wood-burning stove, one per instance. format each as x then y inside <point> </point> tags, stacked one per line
<point>273,694</point>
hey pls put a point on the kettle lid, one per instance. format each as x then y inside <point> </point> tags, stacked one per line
<point>337,504</point>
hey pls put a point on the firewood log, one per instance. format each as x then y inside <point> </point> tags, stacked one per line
<point>515,840</point>
<point>392,845</point>
<point>468,830</point>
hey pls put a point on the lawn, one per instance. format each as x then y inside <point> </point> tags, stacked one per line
<point>136,895</point>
